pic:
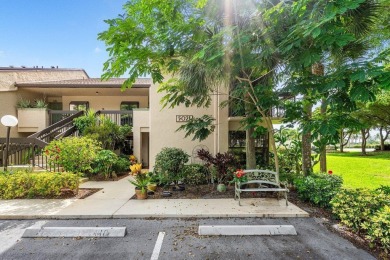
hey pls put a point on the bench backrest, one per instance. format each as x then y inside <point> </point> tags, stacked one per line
<point>264,175</point>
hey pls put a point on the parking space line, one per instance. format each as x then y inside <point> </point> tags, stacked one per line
<point>157,246</point>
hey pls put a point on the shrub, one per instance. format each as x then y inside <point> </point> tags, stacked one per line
<point>121,165</point>
<point>103,163</point>
<point>195,174</point>
<point>75,154</point>
<point>22,184</point>
<point>355,208</point>
<point>170,163</point>
<point>224,164</point>
<point>85,121</point>
<point>378,229</point>
<point>318,189</point>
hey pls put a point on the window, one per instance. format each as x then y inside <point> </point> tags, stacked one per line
<point>127,117</point>
<point>127,105</point>
<point>237,139</point>
<point>79,105</point>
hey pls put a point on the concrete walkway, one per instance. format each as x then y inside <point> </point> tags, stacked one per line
<point>114,202</point>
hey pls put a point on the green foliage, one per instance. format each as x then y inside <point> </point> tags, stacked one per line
<point>289,147</point>
<point>40,103</point>
<point>26,103</point>
<point>354,208</point>
<point>86,121</point>
<point>170,163</point>
<point>75,154</point>
<point>23,184</point>
<point>200,127</point>
<point>109,134</point>
<point>318,189</point>
<point>141,181</point>
<point>378,229</point>
<point>104,162</point>
<point>195,174</point>
<point>367,212</point>
<point>122,164</point>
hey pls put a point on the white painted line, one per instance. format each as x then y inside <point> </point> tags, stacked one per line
<point>246,230</point>
<point>75,232</point>
<point>157,246</point>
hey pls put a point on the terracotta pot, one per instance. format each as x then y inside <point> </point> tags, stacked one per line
<point>141,195</point>
<point>221,187</point>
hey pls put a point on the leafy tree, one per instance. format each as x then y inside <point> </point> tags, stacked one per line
<point>248,50</point>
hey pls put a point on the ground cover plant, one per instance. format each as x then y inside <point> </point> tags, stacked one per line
<point>369,171</point>
<point>365,212</point>
<point>22,184</point>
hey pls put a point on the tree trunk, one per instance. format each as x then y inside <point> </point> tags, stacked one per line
<point>341,141</point>
<point>249,140</point>
<point>323,143</point>
<point>250,149</point>
<point>306,143</point>
<point>382,139</point>
<point>365,134</point>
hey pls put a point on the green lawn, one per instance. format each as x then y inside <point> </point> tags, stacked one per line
<point>359,171</point>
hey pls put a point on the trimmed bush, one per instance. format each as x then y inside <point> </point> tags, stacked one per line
<point>23,184</point>
<point>355,208</point>
<point>75,154</point>
<point>378,229</point>
<point>318,189</point>
<point>366,212</point>
<point>195,174</point>
<point>170,163</point>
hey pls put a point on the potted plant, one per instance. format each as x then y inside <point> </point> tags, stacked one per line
<point>141,181</point>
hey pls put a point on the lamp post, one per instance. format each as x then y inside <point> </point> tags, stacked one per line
<point>8,121</point>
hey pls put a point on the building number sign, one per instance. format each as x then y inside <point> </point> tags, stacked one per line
<point>183,118</point>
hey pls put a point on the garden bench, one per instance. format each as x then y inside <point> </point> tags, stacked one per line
<point>263,180</point>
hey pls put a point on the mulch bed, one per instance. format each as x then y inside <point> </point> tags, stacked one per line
<point>100,177</point>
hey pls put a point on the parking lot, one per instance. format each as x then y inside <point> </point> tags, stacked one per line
<point>178,239</point>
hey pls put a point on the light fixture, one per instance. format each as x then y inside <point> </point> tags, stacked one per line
<point>8,121</point>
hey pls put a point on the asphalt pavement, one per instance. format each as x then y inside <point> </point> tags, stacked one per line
<point>177,239</point>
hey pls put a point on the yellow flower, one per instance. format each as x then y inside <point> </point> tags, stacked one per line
<point>136,168</point>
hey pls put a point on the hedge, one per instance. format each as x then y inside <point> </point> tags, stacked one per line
<point>23,184</point>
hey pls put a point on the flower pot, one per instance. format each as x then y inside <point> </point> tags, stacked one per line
<point>141,195</point>
<point>221,187</point>
<point>152,187</point>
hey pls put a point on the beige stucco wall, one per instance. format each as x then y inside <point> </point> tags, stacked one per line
<point>8,101</point>
<point>163,126</point>
<point>32,120</point>
<point>105,102</point>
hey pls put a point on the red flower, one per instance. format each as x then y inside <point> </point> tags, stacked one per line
<point>239,174</point>
<point>330,172</point>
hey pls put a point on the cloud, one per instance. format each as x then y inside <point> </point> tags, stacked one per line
<point>97,50</point>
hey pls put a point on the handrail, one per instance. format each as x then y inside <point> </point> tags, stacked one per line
<point>56,125</point>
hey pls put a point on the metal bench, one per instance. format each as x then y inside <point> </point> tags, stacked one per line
<point>264,180</point>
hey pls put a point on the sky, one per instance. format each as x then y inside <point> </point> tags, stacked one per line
<point>59,33</point>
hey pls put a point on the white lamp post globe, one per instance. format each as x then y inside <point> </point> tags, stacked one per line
<point>9,121</point>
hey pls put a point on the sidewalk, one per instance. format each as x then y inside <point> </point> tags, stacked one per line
<point>113,202</point>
